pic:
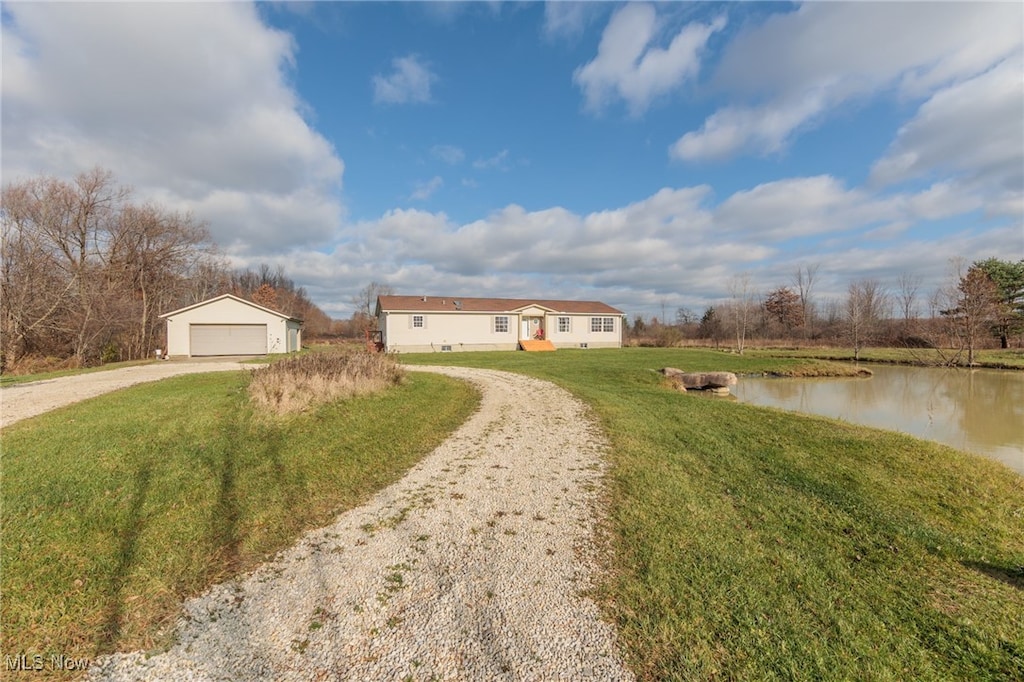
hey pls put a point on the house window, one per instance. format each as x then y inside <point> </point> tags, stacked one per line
<point>563,325</point>
<point>445,348</point>
<point>417,322</point>
<point>595,324</point>
<point>602,324</point>
<point>609,324</point>
<point>501,324</point>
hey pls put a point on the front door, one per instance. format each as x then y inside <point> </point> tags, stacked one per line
<point>532,328</point>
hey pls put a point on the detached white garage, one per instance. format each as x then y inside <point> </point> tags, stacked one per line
<point>229,325</point>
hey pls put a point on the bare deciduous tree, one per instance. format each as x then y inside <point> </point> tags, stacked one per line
<point>906,296</point>
<point>803,280</point>
<point>866,302</point>
<point>974,305</point>
<point>365,301</point>
<point>149,254</point>
<point>740,308</point>
<point>207,278</point>
<point>85,271</point>
<point>32,292</point>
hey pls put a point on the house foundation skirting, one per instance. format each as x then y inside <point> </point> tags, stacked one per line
<point>467,347</point>
<point>455,347</point>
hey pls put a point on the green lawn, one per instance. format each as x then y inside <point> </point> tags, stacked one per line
<point>748,543</point>
<point>744,542</point>
<point>116,509</point>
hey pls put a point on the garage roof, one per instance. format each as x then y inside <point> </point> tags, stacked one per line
<point>234,298</point>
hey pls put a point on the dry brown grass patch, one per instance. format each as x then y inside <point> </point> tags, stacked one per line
<point>825,369</point>
<point>296,384</point>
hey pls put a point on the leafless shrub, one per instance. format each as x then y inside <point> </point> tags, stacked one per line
<point>296,384</point>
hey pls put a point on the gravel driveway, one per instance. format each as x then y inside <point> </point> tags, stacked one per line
<point>472,567</point>
<point>22,401</point>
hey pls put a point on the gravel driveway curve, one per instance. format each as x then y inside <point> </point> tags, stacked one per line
<point>472,567</point>
<point>21,401</point>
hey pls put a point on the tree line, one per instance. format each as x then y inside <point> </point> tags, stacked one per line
<point>980,305</point>
<point>86,270</point>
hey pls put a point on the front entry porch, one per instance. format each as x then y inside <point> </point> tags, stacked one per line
<point>532,335</point>
<point>531,328</point>
<point>536,345</point>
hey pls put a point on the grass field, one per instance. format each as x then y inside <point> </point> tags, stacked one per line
<point>116,509</point>
<point>744,543</point>
<point>747,543</point>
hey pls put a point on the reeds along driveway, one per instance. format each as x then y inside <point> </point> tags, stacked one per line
<point>295,384</point>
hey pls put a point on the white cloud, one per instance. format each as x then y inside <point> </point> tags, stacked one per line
<point>498,161</point>
<point>793,207</point>
<point>821,206</point>
<point>286,221</point>
<point>409,82</point>
<point>797,67</point>
<point>567,19</point>
<point>213,127</point>
<point>628,66</point>
<point>450,154</point>
<point>672,243</point>
<point>676,246</point>
<point>732,129</point>
<point>974,128</point>
<point>425,190</point>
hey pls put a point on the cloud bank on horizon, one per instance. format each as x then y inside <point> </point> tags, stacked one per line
<point>637,154</point>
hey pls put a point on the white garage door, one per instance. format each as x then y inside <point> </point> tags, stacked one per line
<point>227,339</point>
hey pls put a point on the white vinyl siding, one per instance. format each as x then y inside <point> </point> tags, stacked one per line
<point>228,325</point>
<point>495,329</point>
<point>228,339</point>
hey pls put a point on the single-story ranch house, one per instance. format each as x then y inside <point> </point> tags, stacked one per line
<point>228,325</point>
<point>414,324</point>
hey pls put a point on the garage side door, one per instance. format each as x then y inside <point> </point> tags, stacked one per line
<point>227,339</point>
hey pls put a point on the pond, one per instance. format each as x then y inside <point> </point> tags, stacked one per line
<point>980,410</point>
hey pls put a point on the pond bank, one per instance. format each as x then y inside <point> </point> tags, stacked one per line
<point>978,411</point>
<point>1011,359</point>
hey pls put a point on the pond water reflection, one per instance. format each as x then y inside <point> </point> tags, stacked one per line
<point>980,411</point>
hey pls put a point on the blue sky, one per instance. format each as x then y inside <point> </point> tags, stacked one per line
<point>639,154</point>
